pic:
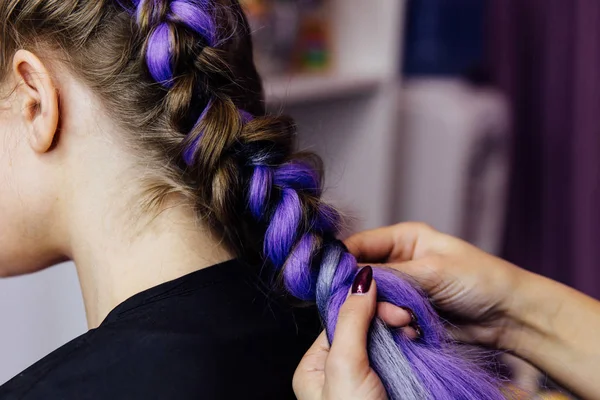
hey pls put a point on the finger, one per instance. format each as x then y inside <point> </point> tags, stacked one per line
<point>318,350</point>
<point>394,316</point>
<point>459,334</point>
<point>309,376</point>
<point>411,332</point>
<point>474,334</point>
<point>395,243</point>
<point>349,349</point>
<point>400,318</point>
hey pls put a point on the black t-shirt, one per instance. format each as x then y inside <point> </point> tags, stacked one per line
<point>216,333</point>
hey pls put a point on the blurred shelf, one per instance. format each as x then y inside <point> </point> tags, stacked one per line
<point>298,89</point>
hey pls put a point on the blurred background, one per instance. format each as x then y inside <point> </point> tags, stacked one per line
<point>479,117</point>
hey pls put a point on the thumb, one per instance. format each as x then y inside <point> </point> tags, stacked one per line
<point>348,354</point>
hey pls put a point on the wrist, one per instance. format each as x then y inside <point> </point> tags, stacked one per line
<point>527,311</point>
<point>555,328</point>
<point>537,313</point>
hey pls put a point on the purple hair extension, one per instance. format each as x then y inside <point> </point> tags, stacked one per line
<point>196,17</point>
<point>189,153</point>
<point>298,176</point>
<point>158,55</point>
<point>300,280</point>
<point>260,189</point>
<point>314,265</point>
<point>283,229</point>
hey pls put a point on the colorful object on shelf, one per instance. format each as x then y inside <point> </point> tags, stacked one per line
<point>290,35</point>
<point>313,47</point>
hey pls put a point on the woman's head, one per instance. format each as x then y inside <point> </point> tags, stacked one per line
<point>155,103</point>
<point>143,80</point>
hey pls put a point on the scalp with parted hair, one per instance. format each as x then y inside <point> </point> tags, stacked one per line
<point>179,77</point>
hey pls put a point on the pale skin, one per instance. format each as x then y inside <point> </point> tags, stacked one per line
<point>499,305</point>
<point>72,192</point>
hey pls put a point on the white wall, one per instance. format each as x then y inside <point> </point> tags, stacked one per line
<point>38,313</point>
<point>454,161</point>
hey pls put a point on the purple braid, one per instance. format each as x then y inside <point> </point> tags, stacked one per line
<point>194,15</point>
<point>299,240</point>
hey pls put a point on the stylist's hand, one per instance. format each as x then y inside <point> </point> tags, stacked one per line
<point>469,287</point>
<point>343,371</point>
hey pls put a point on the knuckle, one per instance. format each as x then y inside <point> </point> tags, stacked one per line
<point>419,226</point>
<point>423,226</point>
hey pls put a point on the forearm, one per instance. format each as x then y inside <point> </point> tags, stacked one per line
<point>558,330</point>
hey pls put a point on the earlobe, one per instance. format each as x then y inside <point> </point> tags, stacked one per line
<point>38,99</point>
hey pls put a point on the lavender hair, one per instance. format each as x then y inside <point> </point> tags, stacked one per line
<point>194,91</point>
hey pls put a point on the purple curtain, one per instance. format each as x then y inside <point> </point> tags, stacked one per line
<point>546,55</point>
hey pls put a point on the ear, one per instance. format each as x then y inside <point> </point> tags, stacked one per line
<point>38,100</point>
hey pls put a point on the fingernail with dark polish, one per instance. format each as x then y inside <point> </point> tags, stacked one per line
<point>362,282</point>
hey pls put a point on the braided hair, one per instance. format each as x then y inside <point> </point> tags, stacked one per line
<point>179,75</point>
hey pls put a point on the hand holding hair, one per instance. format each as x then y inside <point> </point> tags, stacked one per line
<point>494,303</point>
<point>342,370</point>
<point>464,283</point>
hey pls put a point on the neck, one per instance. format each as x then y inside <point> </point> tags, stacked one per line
<point>114,264</point>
